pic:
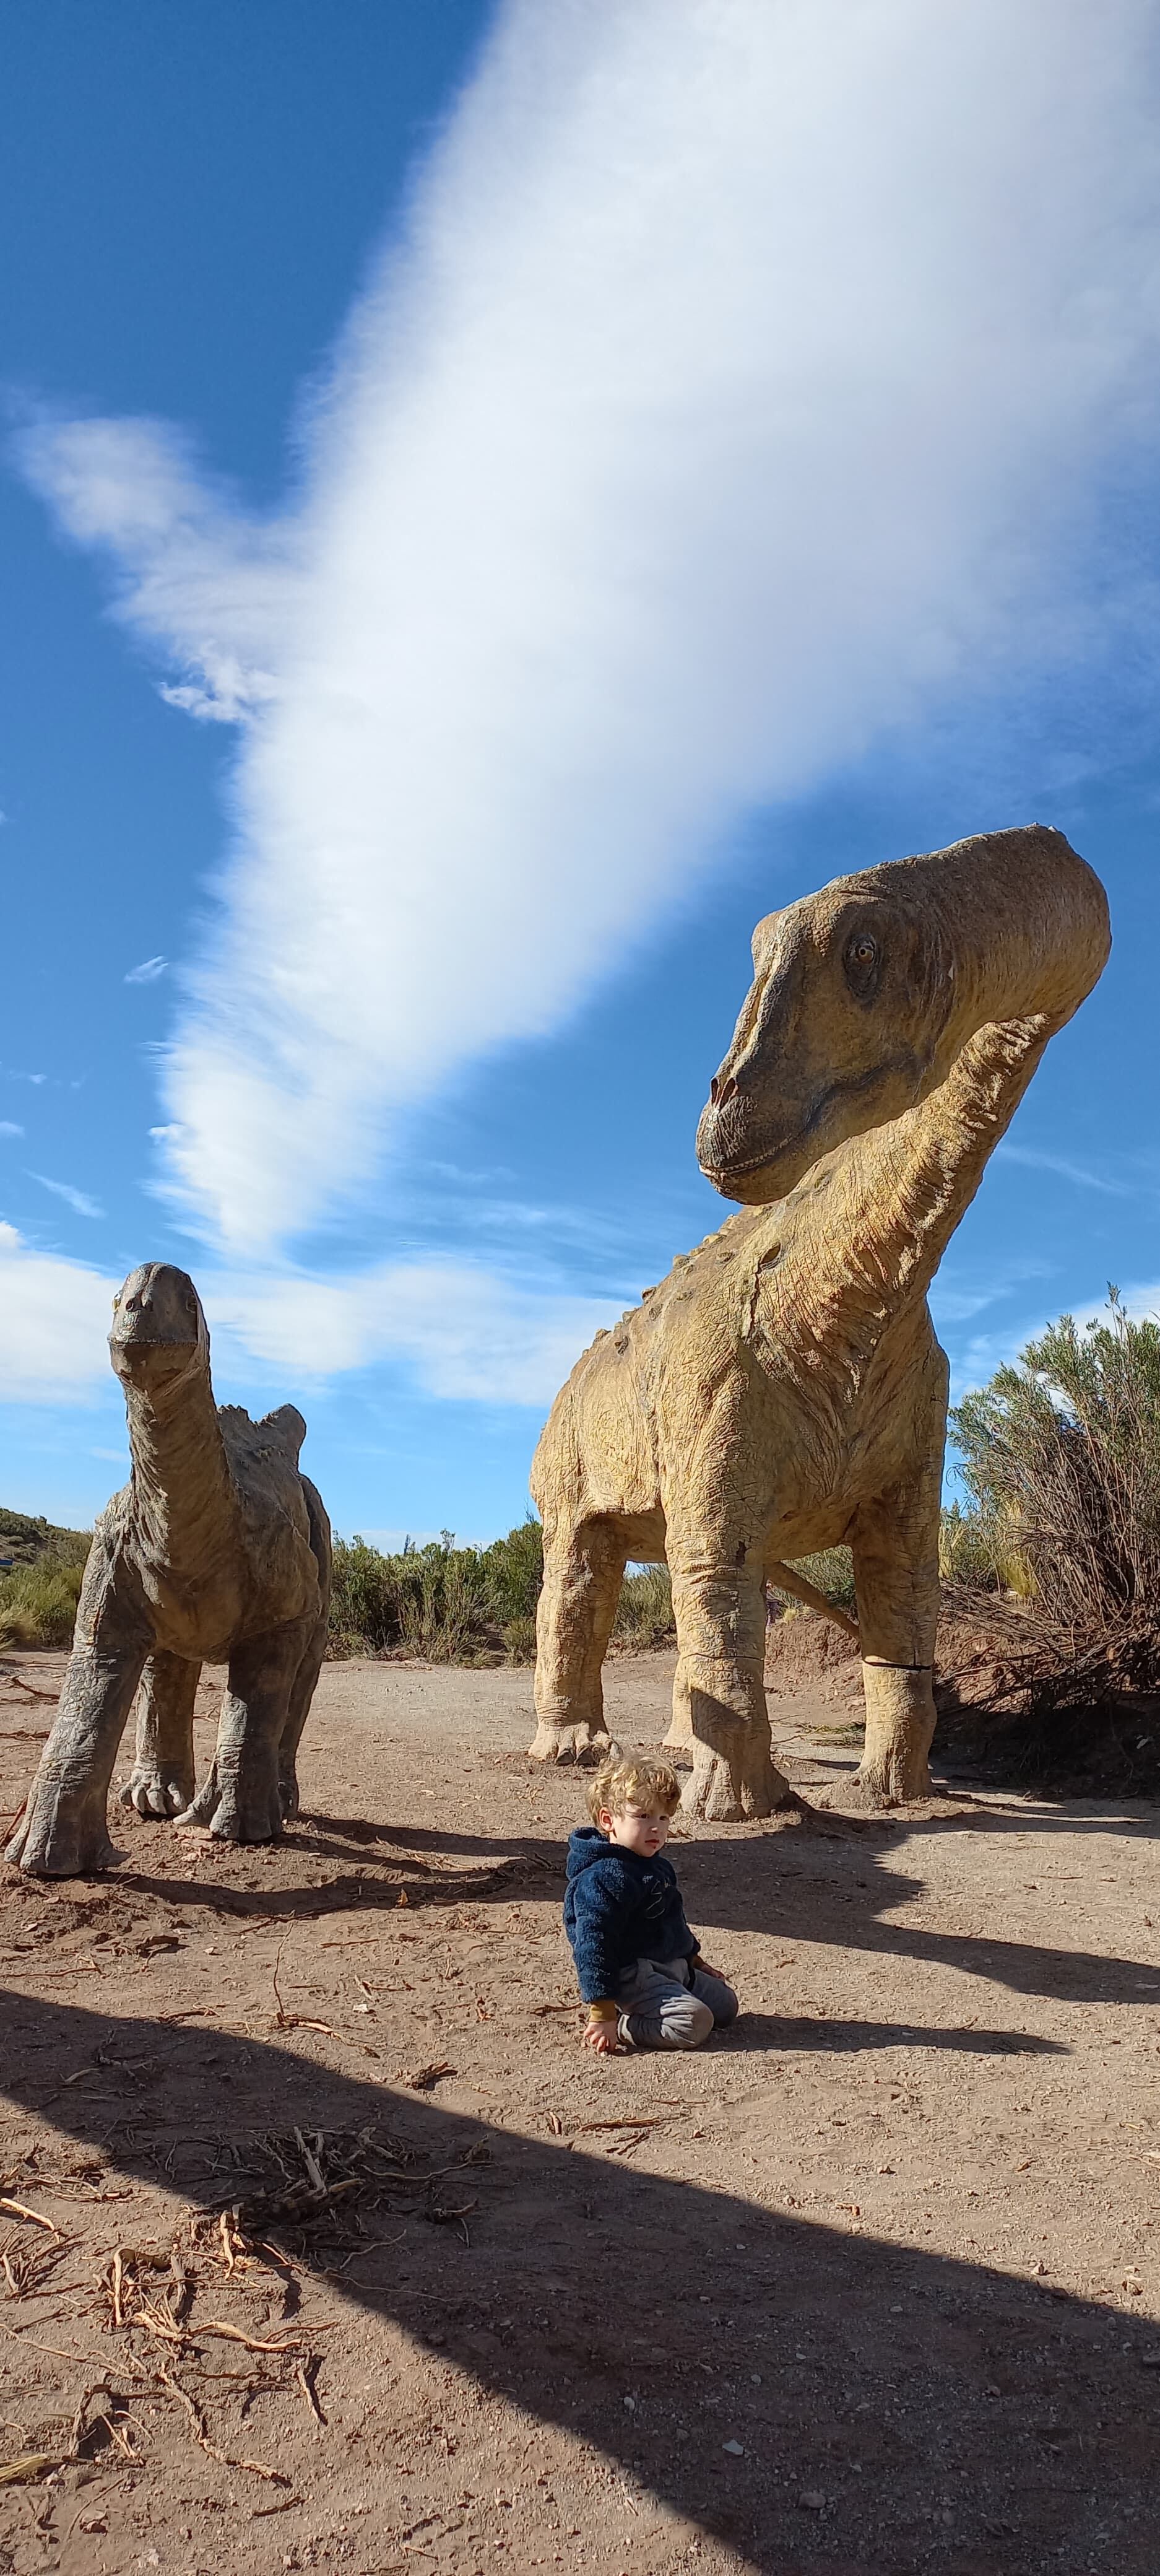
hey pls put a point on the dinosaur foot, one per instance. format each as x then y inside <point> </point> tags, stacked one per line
<point>893,1771</point>
<point>578,1741</point>
<point>236,1810</point>
<point>62,1833</point>
<point>875,1788</point>
<point>158,1789</point>
<point>727,1788</point>
<point>288,1792</point>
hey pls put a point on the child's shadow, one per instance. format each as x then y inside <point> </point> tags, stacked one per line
<point>754,2032</point>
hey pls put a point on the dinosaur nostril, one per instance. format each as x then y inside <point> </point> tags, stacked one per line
<point>724,1091</point>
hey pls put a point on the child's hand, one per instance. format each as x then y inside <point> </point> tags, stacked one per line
<point>601,2034</point>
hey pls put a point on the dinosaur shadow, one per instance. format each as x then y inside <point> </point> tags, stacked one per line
<point>776,1884</point>
<point>828,2401</point>
<point>772,1883</point>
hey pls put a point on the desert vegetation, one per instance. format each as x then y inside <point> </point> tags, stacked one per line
<point>467,1605</point>
<point>1055,1550</point>
<point>1061,1460</point>
<point>40,1586</point>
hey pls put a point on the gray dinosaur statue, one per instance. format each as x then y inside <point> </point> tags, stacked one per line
<point>218,1550</point>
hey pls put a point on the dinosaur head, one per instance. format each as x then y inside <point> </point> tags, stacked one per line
<point>840,1032</point>
<point>158,1326</point>
<point>864,994</point>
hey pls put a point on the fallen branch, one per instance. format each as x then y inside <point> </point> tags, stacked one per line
<point>647,2120</point>
<point>201,2435</point>
<point>18,2209</point>
<point>29,2465</point>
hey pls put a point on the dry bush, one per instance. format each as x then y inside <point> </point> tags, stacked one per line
<point>1061,1455</point>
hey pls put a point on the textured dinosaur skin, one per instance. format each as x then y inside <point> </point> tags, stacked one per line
<point>217,1550</point>
<point>782,1389</point>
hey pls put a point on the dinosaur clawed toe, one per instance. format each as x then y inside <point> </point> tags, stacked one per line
<point>235,1808</point>
<point>580,1740</point>
<point>158,1790</point>
<point>729,1788</point>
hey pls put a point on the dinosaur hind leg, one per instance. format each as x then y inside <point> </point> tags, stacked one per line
<point>161,1780</point>
<point>583,1572</point>
<point>305,1680</point>
<point>302,1692</point>
<point>241,1797</point>
<point>895,1545</point>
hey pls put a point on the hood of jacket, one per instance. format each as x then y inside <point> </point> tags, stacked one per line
<point>586,1843</point>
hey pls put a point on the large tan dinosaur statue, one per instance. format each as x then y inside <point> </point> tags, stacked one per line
<point>782,1390</point>
<point>218,1549</point>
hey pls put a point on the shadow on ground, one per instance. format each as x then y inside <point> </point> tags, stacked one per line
<point>894,2409</point>
<point>765,1882</point>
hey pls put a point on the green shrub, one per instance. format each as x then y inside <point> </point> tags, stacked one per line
<point>446,1604</point>
<point>38,1602</point>
<point>644,1616</point>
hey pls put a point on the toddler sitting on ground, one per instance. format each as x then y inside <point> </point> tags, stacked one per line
<point>640,1968</point>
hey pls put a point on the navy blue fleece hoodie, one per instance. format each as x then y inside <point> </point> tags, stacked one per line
<point>619,1908</point>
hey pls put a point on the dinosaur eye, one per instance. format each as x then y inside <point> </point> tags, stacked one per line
<point>861,963</point>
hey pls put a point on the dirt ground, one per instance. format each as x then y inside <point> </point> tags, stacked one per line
<point>323,2244</point>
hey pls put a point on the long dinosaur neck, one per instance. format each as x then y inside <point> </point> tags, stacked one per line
<point>183,1493</point>
<point>873,1220</point>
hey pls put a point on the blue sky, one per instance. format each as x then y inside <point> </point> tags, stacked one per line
<point>494,501</point>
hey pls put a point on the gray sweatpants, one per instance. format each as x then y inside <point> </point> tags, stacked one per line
<point>666,2003</point>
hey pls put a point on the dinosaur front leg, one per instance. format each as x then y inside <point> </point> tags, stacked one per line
<point>241,1799</point>
<point>161,1780</point>
<point>583,1572</point>
<point>719,1689</point>
<point>63,1832</point>
<point>895,1547</point>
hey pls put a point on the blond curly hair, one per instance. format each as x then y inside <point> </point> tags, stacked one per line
<point>625,1783</point>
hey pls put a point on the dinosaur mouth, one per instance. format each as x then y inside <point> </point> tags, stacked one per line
<point>136,1357</point>
<point>837,1094</point>
<point>732,1169</point>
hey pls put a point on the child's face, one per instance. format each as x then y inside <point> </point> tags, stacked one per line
<point>637,1828</point>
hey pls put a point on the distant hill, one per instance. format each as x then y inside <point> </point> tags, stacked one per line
<point>24,1537</point>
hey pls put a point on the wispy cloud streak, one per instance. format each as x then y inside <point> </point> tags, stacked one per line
<point>78,1200</point>
<point>458,1331</point>
<point>745,382</point>
<point>1084,1179</point>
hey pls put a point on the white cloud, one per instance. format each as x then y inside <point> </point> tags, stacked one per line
<point>8,1127</point>
<point>746,383</point>
<point>1085,1179</point>
<point>54,1319</point>
<point>468,1333</point>
<point>194,576</point>
<point>78,1200</point>
<point>465,1332</point>
<point>147,972</point>
<point>986,1352</point>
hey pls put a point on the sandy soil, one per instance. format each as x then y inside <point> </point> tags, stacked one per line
<point>871,2284</point>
